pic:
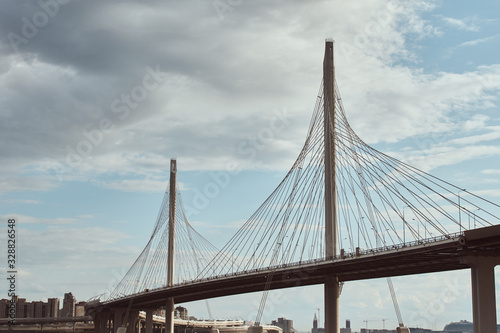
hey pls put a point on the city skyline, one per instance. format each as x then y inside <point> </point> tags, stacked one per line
<point>52,307</point>
<point>100,95</point>
<point>33,309</point>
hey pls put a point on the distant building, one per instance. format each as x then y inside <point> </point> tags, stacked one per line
<point>160,312</point>
<point>40,309</point>
<point>29,310</point>
<point>422,330</point>
<point>53,307</point>
<point>68,309</point>
<point>285,324</point>
<point>80,309</point>
<point>4,308</point>
<point>315,328</point>
<point>347,328</point>
<point>463,326</point>
<point>21,308</point>
<point>181,313</point>
<point>34,309</point>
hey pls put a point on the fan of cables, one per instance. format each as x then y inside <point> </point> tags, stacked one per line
<point>149,271</point>
<point>381,203</point>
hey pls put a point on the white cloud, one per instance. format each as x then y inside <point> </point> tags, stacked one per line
<point>477,122</point>
<point>467,24</point>
<point>21,219</point>
<point>488,193</point>
<point>491,171</point>
<point>403,103</point>
<point>479,41</point>
<point>471,140</point>
<point>471,43</point>
<point>26,183</point>
<point>69,258</point>
<point>21,201</point>
<point>202,110</point>
<point>136,185</point>
<point>445,156</point>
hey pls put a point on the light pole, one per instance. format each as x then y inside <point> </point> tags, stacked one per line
<point>366,329</point>
<point>362,219</point>
<point>459,210</point>
<point>404,239</point>
<point>418,227</point>
<point>475,217</point>
<point>277,254</point>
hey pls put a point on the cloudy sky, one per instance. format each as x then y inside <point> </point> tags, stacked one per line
<point>97,96</point>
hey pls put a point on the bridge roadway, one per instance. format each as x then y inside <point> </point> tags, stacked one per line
<point>431,255</point>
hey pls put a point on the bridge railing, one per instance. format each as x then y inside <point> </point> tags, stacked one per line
<point>339,257</point>
<point>411,244</point>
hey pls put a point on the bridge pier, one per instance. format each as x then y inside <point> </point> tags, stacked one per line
<point>101,322</point>
<point>483,292</point>
<point>149,321</point>
<point>169,316</point>
<point>118,319</point>
<point>133,321</point>
<point>255,329</point>
<point>332,298</point>
<point>102,318</point>
<point>121,320</point>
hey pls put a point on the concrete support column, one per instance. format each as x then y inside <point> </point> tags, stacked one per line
<point>149,321</point>
<point>169,316</point>
<point>332,297</point>
<point>110,322</point>
<point>98,319</point>
<point>475,307</point>
<point>118,319</point>
<point>132,320</point>
<point>101,322</point>
<point>483,295</point>
<point>251,329</point>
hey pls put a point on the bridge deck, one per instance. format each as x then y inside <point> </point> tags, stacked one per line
<point>426,257</point>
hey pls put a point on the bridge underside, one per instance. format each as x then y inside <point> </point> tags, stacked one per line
<point>439,256</point>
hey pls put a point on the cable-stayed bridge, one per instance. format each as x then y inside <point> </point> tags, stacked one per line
<point>343,212</point>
